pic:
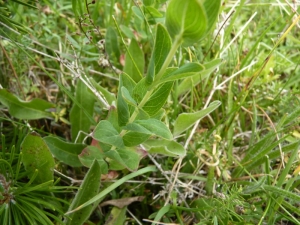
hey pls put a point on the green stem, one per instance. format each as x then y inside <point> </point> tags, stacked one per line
<point>209,187</point>
<point>177,42</point>
<point>136,111</point>
<point>175,46</point>
<point>230,125</point>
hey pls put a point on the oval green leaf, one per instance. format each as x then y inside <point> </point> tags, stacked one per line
<point>186,20</point>
<point>189,82</point>
<point>162,47</point>
<point>156,127</point>
<point>185,120</point>
<point>107,134</point>
<point>127,97</point>
<point>122,107</point>
<point>32,110</point>
<point>90,154</point>
<point>125,157</point>
<point>187,70</point>
<point>158,99</point>
<point>165,147</point>
<point>64,151</point>
<point>37,156</point>
<point>134,61</point>
<point>133,138</point>
<point>191,20</point>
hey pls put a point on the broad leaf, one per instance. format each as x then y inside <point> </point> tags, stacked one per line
<point>117,216</point>
<point>112,117</point>
<point>79,120</point>
<point>127,82</point>
<point>149,2</point>
<point>134,61</point>
<point>142,86</point>
<point>158,99</point>
<point>90,154</point>
<point>187,70</point>
<point>142,115</point>
<point>32,110</point>
<point>64,151</point>
<point>185,120</point>
<point>134,138</point>
<point>154,13</point>
<point>191,20</point>
<point>122,107</point>
<point>125,157</point>
<point>37,156</point>
<point>112,46</point>
<point>151,127</point>
<point>186,19</point>
<point>107,134</point>
<point>157,128</point>
<point>137,128</point>
<point>160,52</point>
<point>137,12</point>
<point>140,90</point>
<point>127,97</point>
<point>127,32</point>
<point>141,130</point>
<point>160,114</point>
<point>123,110</point>
<point>165,147</point>
<point>189,82</point>
<point>212,9</point>
<point>89,188</point>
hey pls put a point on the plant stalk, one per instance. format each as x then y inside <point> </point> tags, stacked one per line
<point>175,46</point>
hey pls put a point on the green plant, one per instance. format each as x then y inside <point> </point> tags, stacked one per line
<point>28,194</point>
<point>7,21</point>
<point>137,120</point>
<point>136,83</point>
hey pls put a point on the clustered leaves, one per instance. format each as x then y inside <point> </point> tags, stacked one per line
<point>137,117</point>
<point>136,126</point>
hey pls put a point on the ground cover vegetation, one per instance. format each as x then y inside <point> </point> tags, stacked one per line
<point>149,112</point>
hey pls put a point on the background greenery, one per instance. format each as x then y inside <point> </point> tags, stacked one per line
<point>238,164</point>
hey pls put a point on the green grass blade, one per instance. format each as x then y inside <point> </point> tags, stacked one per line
<point>114,186</point>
